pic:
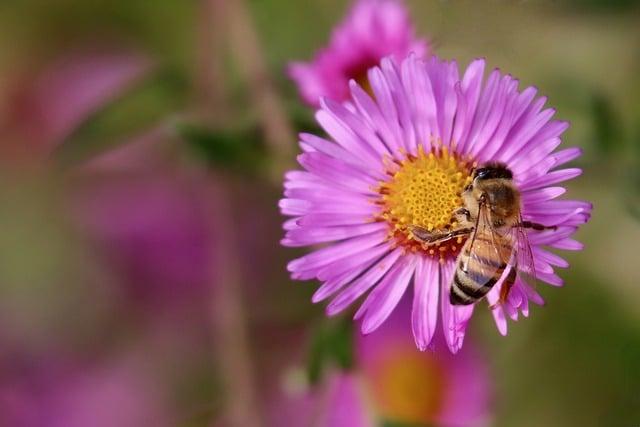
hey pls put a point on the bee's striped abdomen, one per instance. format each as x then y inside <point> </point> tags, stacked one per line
<point>475,275</point>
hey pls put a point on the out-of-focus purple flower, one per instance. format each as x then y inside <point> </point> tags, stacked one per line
<point>339,402</point>
<point>372,30</point>
<point>117,394</point>
<point>50,106</point>
<point>392,381</point>
<point>154,225</point>
<point>402,158</point>
<point>423,388</point>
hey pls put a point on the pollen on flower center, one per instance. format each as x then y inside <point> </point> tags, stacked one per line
<point>424,190</point>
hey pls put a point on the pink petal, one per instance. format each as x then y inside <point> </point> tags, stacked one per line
<point>384,297</point>
<point>363,284</point>
<point>424,314</point>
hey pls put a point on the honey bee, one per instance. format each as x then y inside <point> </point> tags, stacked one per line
<point>496,244</point>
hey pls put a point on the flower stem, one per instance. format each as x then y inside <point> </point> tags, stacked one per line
<point>230,335</point>
<point>211,94</point>
<point>246,49</point>
<point>230,329</point>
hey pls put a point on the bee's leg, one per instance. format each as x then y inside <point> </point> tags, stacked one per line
<point>464,213</point>
<point>508,284</point>
<point>506,287</point>
<point>504,294</point>
<point>537,226</point>
<point>427,237</point>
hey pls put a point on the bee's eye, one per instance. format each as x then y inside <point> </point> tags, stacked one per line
<point>482,173</point>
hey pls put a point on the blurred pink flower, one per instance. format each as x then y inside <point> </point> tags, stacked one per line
<point>339,402</point>
<point>393,381</point>
<point>66,92</point>
<point>154,225</point>
<point>115,394</point>
<point>372,30</point>
<point>433,387</point>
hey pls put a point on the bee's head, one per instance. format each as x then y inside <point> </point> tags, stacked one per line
<point>492,185</point>
<point>492,171</point>
<point>485,174</point>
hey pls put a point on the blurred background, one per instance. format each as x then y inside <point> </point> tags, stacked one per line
<point>141,277</point>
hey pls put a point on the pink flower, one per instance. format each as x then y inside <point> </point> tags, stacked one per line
<point>430,388</point>
<point>66,92</point>
<point>392,381</point>
<point>114,394</point>
<point>338,402</point>
<point>152,221</point>
<point>372,30</point>
<point>402,158</point>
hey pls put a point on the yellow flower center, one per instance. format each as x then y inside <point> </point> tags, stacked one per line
<point>408,386</point>
<point>424,190</point>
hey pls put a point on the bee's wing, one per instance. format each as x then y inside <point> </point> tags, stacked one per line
<point>488,249</point>
<point>504,247</point>
<point>521,263</point>
<point>502,243</point>
<point>524,256</point>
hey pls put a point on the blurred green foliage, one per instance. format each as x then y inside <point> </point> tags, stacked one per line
<point>574,362</point>
<point>604,5</point>
<point>138,110</point>
<point>607,133</point>
<point>631,187</point>
<point>235,150</point>
<point>331,344</point>
<point>164,28</point>
<point>387,423</point>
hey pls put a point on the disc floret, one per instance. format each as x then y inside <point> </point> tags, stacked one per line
<point>424,190</point>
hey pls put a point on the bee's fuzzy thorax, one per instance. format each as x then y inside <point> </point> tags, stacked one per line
<point>503,198</point>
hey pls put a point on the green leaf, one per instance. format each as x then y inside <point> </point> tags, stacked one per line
<point>607,127</point>
<point>331,344</point>
<point>631,187</point>
<point>238,150</point>
<point>632,198</point>
<point>317,356</point>
<point>395,423</point>
<point>132,113</point>
<point>341,343</point>
<point>601,5</point>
